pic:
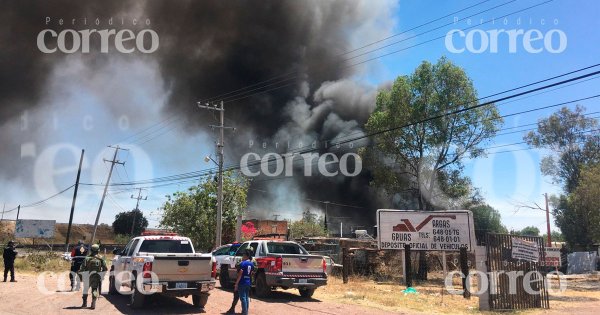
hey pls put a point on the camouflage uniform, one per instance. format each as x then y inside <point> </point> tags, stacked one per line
<point>94,265</point>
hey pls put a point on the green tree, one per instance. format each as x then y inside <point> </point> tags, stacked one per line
<point>420,164</point>
<point>309,225</point>
<point>586,198</point>
<point>486,220</point>
<point>124,221</point>
<point>574,145</point>
<point>529,231</point>
<point>573,142</point>
<point>193,213</point>
<point>556,236</point>
<point>578,214</point>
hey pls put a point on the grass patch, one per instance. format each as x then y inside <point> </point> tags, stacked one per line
<point>389,296</point>
<point>39,261</point>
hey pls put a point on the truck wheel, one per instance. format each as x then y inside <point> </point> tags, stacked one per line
<point>262,288</point>
<point>306,293</point>
<point>200,300</point>
<point>112,289</point>
<point>137,298</point>
<point>224,278</point>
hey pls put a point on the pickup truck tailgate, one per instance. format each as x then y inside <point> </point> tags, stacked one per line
<point>186,267</point>
<point>302,264</point>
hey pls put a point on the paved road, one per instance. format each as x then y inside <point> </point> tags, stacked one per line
<point>24,297</point>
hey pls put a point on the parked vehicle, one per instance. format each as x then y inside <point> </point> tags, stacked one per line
<point>178,269</point>
<point>331,266</point>
<point>223,253</point>
<point>280,264</point>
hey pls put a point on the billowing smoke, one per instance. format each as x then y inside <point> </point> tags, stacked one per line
<point>216,47</point>
<point>208,48</point>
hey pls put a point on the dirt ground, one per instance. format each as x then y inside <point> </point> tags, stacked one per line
<point>23,297</point>
<point>360,296</point>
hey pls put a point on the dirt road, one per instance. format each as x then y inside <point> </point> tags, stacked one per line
<point>24,297</point>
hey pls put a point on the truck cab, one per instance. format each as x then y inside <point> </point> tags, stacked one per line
<point>162,263</point>
<point>280,264</point>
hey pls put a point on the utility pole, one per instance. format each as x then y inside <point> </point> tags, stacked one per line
<point>548,221</point>
<point>220,145</point>
<point>73,202</point>
<point>3,208</point>
<point>112,165</point>
<point>238,228</point>
<point>137,207</point>
<point>276,216</point>
<point>18,212</point>
<point>325,219</point>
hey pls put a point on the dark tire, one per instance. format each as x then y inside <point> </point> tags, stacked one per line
<point>262,288</point>
<point>112,289</point>
<point>306,293</point>
<point>224,279</point>
<point>200,300</point>
<point>137,298</point>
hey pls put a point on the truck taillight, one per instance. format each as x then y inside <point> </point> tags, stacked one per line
<point>278,264</point>
<point>213,273</point>
<point>147,269</point>
<point>324,266</point>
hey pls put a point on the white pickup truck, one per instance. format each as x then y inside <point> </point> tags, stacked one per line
<point>165,264</point>
<point>280,264</point>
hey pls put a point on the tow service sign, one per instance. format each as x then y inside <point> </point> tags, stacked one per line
<point>425,230</point>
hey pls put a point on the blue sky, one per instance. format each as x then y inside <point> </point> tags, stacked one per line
<point>504,179</point>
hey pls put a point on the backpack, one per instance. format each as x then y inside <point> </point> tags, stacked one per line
<point>94,264</point>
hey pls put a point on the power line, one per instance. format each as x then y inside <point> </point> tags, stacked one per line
<point>220,96</point>
<point>235,166</point>
<point>37,203</point>
<point>241,95</point>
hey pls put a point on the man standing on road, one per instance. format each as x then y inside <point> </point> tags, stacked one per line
<point>9,256</point>
<point>92,270</point>
<point>236,295</point>
<point>243,282</point>
<point>77,257</point>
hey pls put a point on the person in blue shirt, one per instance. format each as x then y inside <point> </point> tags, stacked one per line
<point>243,282</point>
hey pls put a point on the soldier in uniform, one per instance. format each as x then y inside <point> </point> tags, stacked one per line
<point>9,256</point>
<point>92,270</point>
<point>77,257</point>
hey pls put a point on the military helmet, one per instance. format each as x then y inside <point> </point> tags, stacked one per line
<point>10,243</point>
<point>95,248</point>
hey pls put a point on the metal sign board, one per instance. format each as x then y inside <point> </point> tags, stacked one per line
<point>425,230</point>
<point>34,228</point>
<point>552,258</point>
<point>525,250</point>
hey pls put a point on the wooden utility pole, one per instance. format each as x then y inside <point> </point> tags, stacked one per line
<point>112,165</point>
<point>137,207</point>
<point>18,211</point>
<point>548,221</point>
<point>73,202</point>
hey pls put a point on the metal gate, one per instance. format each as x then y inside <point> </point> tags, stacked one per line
<point>507,276</point>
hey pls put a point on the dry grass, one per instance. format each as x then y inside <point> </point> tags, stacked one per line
<point>583,293</point>
<point>431,298</point>
<point>40,261</point>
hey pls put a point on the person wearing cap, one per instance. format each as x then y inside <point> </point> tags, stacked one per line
<point>92,270</point>
<point>9,256</point>
<point>77,257</point>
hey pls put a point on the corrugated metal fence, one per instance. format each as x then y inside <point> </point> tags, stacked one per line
<point>515,283</point>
